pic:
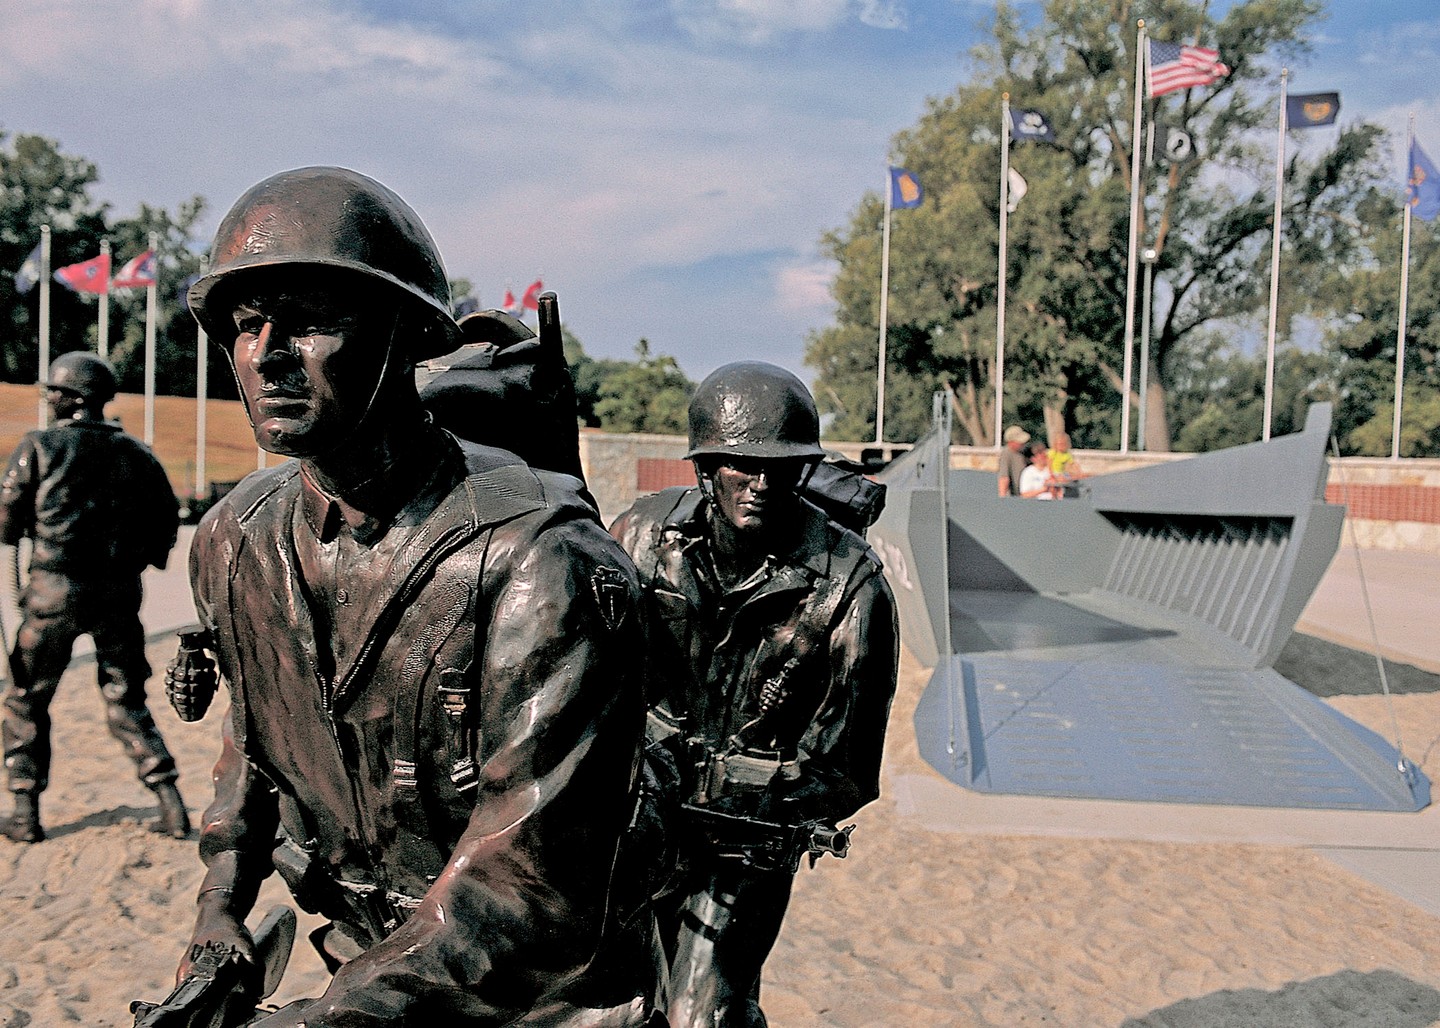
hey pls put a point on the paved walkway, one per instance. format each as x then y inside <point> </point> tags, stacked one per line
<point>1404,592</point>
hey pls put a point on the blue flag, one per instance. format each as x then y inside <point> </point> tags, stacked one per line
<point>1310,110</point>
<point>1031,126</point>
<point>1422,187</point>
<point>905,189</point>
<point>29,273</point>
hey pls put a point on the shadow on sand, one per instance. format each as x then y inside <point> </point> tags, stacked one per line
<point>1329,669</point>
<point>1352,999</point>
<point>144,816</point>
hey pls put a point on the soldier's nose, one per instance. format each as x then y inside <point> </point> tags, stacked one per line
<point>268,344</point>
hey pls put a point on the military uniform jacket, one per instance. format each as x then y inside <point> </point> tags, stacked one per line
<point>95,500</point>
<point>819,620</point>
<point>460,783</point>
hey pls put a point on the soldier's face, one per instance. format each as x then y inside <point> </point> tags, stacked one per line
<point>755,495</point>
<point>309,363</point>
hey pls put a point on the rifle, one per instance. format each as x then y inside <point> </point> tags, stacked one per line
<point>223,989</point>
<point>766,845</point>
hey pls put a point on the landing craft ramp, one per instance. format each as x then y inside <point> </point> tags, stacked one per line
<point>1118,645</point>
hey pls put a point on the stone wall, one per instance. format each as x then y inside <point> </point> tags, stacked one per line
<point>1394,505</point>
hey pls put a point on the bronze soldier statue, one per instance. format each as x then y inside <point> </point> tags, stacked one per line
<point>436,711</point>
<point>99,509</point>
<point>773,657</point>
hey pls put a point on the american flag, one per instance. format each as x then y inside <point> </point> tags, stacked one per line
<point>1173,66</point>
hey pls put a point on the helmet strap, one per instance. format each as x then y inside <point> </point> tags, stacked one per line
<point>704,479</point>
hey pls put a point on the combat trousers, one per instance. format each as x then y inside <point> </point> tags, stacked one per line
<point>718,931</point>
<point>55,611</point>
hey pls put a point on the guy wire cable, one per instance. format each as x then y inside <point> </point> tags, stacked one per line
<point>1406,769</point>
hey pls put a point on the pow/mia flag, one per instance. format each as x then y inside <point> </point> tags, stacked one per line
<point>1031,126</point>
<point>1179,146</point>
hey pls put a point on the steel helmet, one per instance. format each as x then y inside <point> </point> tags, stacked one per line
<point>85,374</point>
<point>754,409</point>
<point>331,218</point>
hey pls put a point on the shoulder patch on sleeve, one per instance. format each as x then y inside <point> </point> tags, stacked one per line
<point>611,595</point>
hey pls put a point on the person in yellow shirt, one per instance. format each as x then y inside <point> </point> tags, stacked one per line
<point>1063,464</point>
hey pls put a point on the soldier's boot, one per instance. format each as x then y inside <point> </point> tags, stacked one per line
<point>173,820</point>
<point>24,824</point>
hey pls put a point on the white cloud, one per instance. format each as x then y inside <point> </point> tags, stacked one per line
<point>763,21</point>
<point>883,14</point>
<point>561,147</point>
<point>803,290</point>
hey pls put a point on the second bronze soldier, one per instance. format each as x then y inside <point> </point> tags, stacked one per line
<point>99,509</point>
<point>773,653</point>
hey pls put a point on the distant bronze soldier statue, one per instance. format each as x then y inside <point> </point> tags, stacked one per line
<point>430,648</point>
<point>773,656</point>
<point>99,508</point>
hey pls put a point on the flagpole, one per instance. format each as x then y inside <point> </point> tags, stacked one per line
<point>1004,266</point>
<point>202,397</point>
<point>44,317</point>
<point>1275,259</point>
<point>1404,299</point>
<point>102,344</point>
<point>150,343</point>
<point>1140,47</point>
<point>884,313</point>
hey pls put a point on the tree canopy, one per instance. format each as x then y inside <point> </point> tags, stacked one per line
<point>41,185</point>
<point>1208,217</point>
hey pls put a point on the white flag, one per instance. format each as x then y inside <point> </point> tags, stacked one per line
<point>1018,189</point>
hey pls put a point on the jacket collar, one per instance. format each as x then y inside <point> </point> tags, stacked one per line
<point>810,548</point>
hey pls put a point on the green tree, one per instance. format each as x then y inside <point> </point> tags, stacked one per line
<point>176,336</point>
<point>649,394</point>
<point>1068,238</point>
<point>40,185</point>
<point>1361,341</point>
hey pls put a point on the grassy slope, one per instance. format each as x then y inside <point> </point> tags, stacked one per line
<point>230,451</point>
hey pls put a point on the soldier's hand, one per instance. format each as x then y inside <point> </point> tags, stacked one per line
<point>216,924</point>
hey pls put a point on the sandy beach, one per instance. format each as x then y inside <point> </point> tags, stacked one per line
<point>917,927</point>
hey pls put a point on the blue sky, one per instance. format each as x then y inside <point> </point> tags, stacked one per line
<point>667,166</point>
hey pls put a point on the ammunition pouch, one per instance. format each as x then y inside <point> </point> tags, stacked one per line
<point>738,774</point>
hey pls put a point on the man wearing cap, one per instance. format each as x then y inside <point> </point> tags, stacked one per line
<point>100,510</point>
<point>1012,461</point>
<point>430,648</point>
<point>772,658</point>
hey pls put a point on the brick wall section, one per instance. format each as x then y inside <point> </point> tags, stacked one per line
<point>655,473</point>
<point>1391,502</point>
<point>1394,505</point>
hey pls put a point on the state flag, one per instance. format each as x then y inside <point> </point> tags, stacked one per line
<point>1175,66</point>
<point>531,300</point>
<point>92,276</point>
<point>138,272</point>
<point>905,189</point>
<point>1422,186</point>
<point>1310,110</point>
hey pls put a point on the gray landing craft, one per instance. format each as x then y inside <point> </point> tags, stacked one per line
<point>1118,645</point>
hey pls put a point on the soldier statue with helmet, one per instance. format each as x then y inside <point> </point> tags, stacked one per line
<point>772,656</point>
<point>435,711</point>
<point>99,510</point>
